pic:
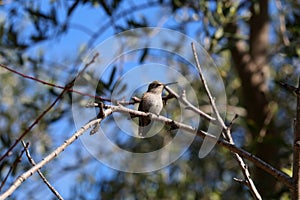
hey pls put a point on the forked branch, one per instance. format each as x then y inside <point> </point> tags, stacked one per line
<point>226,130</point>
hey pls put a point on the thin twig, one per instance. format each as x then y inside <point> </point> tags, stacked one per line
<point>30,159</point>
<point>226,131</point>
<point>211,99</point>
<point>50,157</point>
<point>52,84</point>
<point>36,121</point>
<point>12,167</point>
<point>248,181</point>
<point>183,100</point>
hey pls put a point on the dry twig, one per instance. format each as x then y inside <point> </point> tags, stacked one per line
<point>227,131</point>
<point>32,162</point>
<point>50,157</point>
<point>12,167</point>
<point>36,121</point>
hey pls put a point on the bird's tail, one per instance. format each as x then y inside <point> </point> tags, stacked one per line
<point>144,126</point>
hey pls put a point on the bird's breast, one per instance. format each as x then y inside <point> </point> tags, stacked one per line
<point>152,103</point>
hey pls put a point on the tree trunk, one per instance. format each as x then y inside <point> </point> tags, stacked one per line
<point>296,150</point>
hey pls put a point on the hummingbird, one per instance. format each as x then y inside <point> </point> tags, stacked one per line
<point>151,101</point>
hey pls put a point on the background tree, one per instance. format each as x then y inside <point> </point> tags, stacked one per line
<point>251,46</point>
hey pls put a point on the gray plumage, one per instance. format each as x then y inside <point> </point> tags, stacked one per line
<point>151,101</point>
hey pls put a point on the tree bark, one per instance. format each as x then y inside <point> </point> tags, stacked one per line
<point>296,150</point>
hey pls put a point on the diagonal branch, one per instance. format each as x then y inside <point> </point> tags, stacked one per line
<point>36,121</point>
<point>211,99</point>
<point>281,176</point>
<point>51,84</point>
<point>30,159</point>
<point>244,167</point>
<point>50,157</point>
<point>183,100</point>
<point>227,131</point>
<point>12,167</point>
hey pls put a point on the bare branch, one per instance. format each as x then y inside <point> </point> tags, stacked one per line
<point>249,182</point>
<point>284,178</point>
<point>53,190</point>
<point>12,167</point>
<point>183,100</point>
<point>52,84</point>
<point>227,131</point>
<point>211,99</point>
<point>50,157</point>
<point>281,176</point>
<point>36,121</point>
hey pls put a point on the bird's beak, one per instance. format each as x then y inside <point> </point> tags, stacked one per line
<point>170,83</point>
